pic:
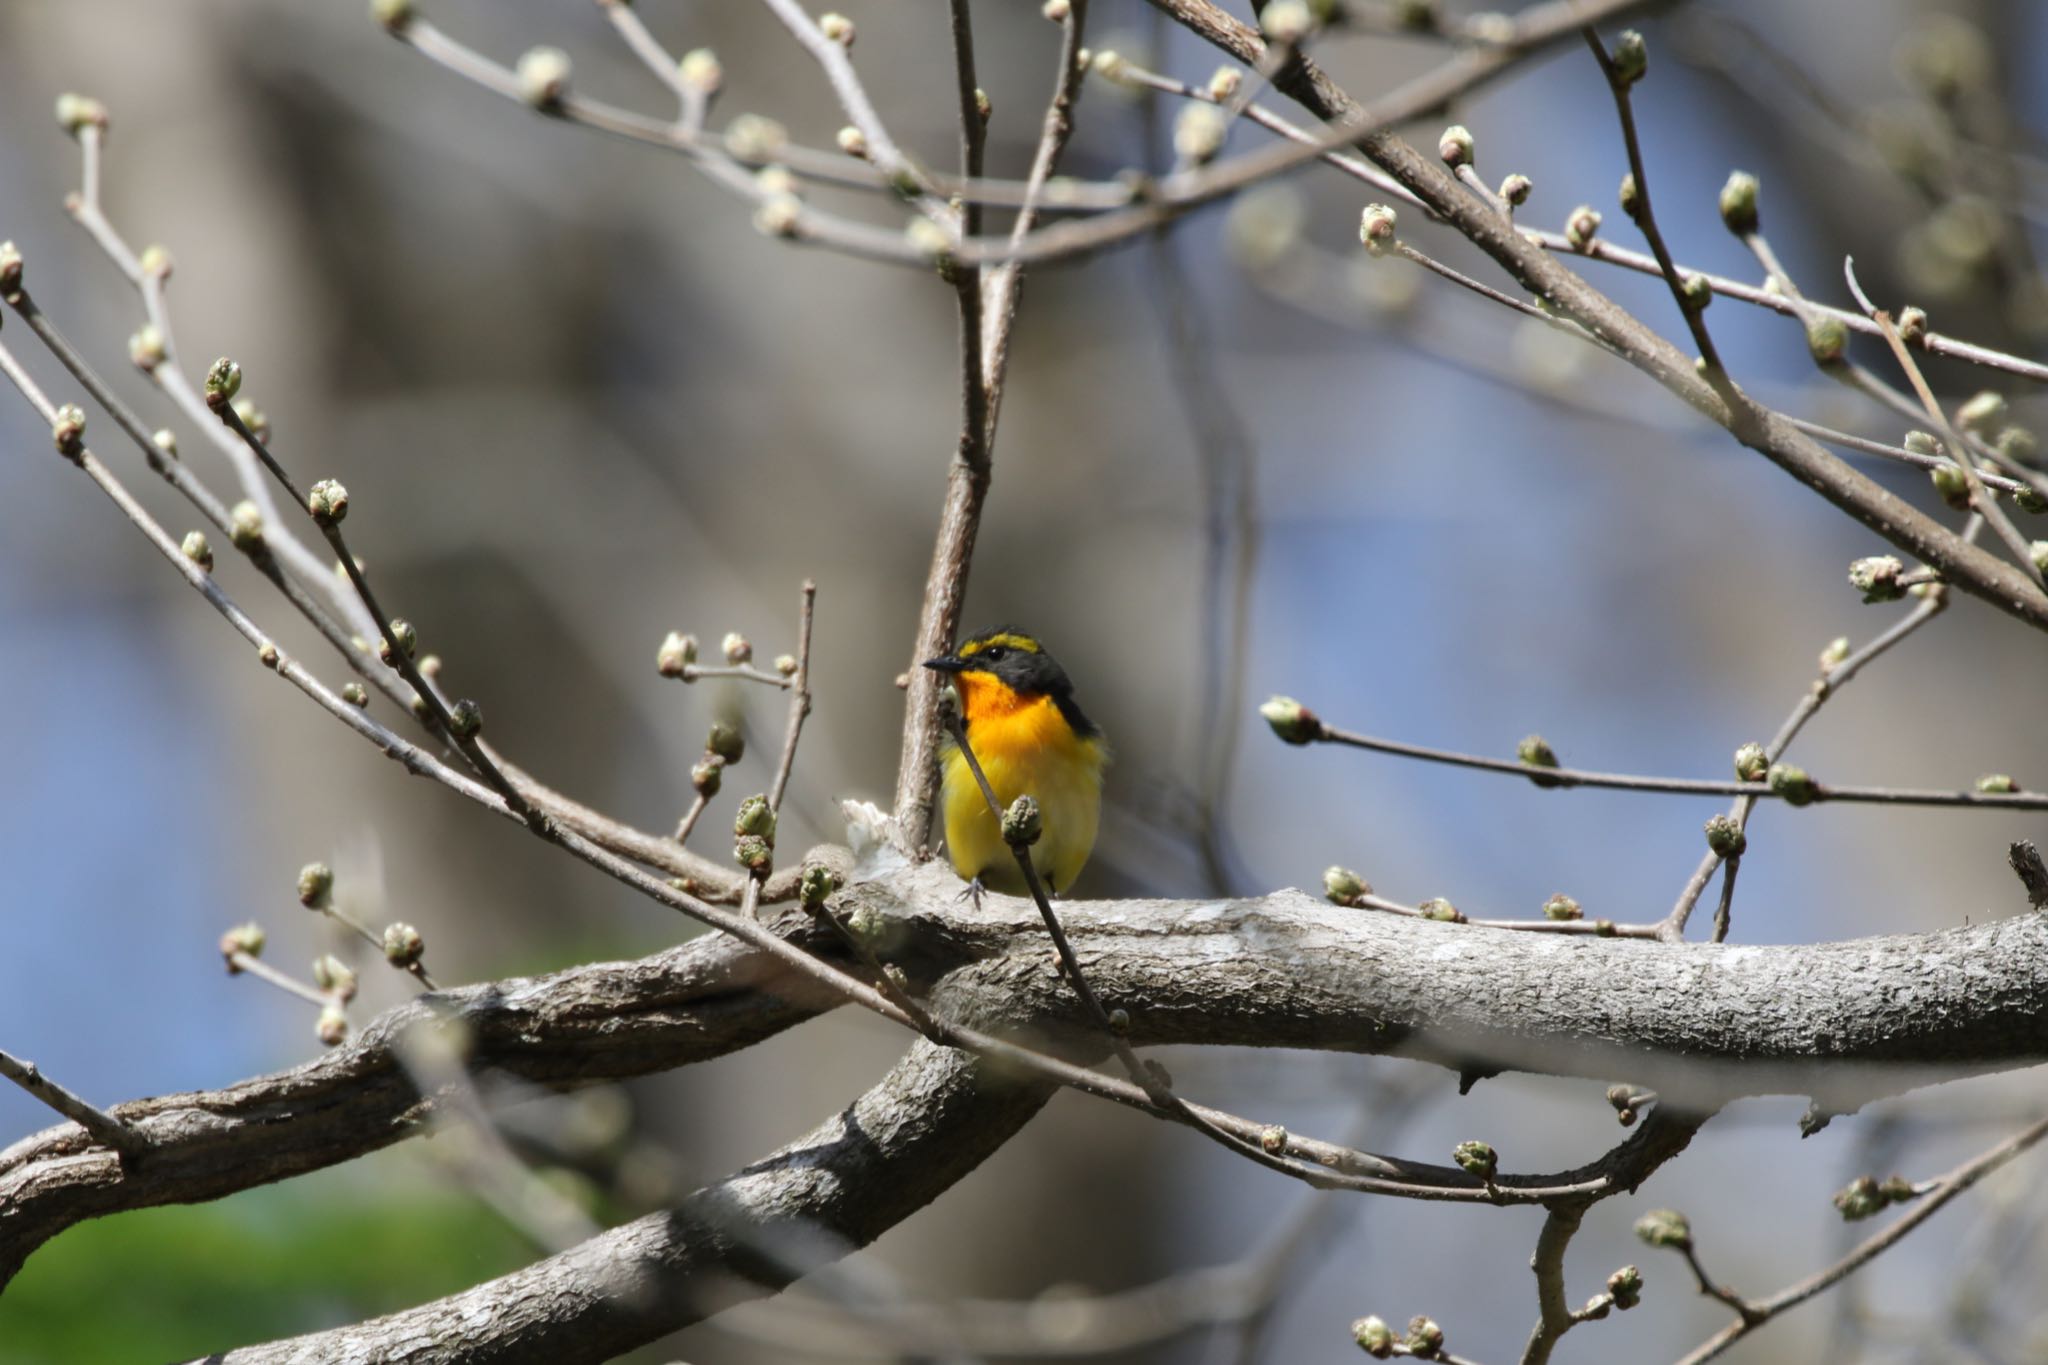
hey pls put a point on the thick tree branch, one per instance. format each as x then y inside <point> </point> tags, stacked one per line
<point>935,1117</point>
<point>703,999</point>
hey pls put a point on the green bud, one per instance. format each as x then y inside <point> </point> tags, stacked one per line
<point>1725,836</point>
<point>1859,1199</point>
<point>1022,823</point>
<point>1455,146</point>
<point>246,938</point>
<point>1738,203</point>
<point>1374,1337</point>
<point>223,382</point>
<point>2017,443</point>
<point>1696,292</point>
<point>1535,752</point>
<point>245,526</point>
<point>335,977</point>
<point>724,740</point>
<point>327,500</point>
<point>754,817</point>
<point>1273,1139</point>
<point>706,777</point>
<point>1982,412</point>
<point>701,70</point>
<point>816,884</point>
<point>146,348</point>
<point>1630,196</point>
<point>1424,1338</point>
<point>785,664</point>
<point>166,440</point>
<point>1376,229</point>
<point>1342,886</point>
<point>1877,578</point>
<point>1792,783</point>
<point>1437,908</point>
<point>544,78</point>
<point>836,27</point>
<point>67,430</point>
<point>1631,57</point>
<point>1516,189</point>
<point>156,261</point>
<point>750,137</point>
<point>1913,325</point>
<point>1562,907</point>
<point>355,694</point>
<point>1751,763</point>
<point>316,886</point>
<point>332,1026</point>
<point>737,650</point>
<point>2037,551</point>
<point>403,945</point>
<point>1997,784</point>
<point>1199,132</point>
<point>1477,1159</point>
<point>198,549</point>
<point>75,113</point>
<point>678,651</point>
<point>1827,339</point>
<point>1291,721</point>
<point>1951,483</point>
<point>1665,1228</point>
<point>391,15</point>
<point>465,719</point>
<point>1626,1284</point>
<point>1582,226</point>
<point>754,853</point>
<point>1286,21</point>
<point>403,636</point>
<point>1224,85</point>
<point>10,271</point>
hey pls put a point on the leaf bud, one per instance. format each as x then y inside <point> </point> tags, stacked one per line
<point>1376,229</point>
<point>1477,1159</point>
<point>1582,227</point>
<point>1725,836</point>
<point>1626,1284</point>
<point>332,1026</point>
<point>316,886</point>
<point>245,526</point>
<point>465,719</point>
<point>701,70</point>
<point>1877,578</point>
<point>403,945</point>
<point>1631,57</point>
<point>1291,721</point>
<point>724,740</point>
<point>707,776</point>
<point>1665,1228</point>
<point>198,549</point>
<point>335,977</point>
<point>1342,886</point>
<point>223,382</point>
<point>1992,784</point>
<point>1738,203</point>
<point>755,818</point>
<point>1516,188</point>
<point>327,500</point>
<point>816,884</point>
<point>1022,823</point>
<point>67,430</point>
<point>1374,1337</point>
<point>1792,783</point>
<point>1982,412</point>
<point>544,78</point>
<point>1751,762</point>
<point>1455,146</point>
<point>737,650</point>
<point>678,651</point>
<point>1562,907</point>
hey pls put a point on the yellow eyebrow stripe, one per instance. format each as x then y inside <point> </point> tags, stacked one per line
<point>1023,642</point>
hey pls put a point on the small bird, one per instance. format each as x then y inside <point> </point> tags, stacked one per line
<point>1031,739</point>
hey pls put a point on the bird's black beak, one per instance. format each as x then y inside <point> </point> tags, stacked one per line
<point>946,663</point>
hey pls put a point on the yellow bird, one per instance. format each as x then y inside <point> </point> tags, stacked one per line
<point>1031,739</point>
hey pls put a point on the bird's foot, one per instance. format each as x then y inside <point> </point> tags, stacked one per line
<point>973,891</point>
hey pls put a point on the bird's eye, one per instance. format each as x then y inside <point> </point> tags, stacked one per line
<point>995,653</point>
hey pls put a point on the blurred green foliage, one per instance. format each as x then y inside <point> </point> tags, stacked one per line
<point>178,1282</point>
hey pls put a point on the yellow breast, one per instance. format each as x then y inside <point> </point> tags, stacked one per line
<point>1025,749</point>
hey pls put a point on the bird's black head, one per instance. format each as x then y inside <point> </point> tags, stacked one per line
<point>1003,661</point>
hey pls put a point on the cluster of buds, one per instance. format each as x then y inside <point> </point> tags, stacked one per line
<point>1563,908</point>
<point>1877,578</point>
<point>1477,1159</point>
<point>753,829</point>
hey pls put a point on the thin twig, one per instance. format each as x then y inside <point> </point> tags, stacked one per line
<point>103,1127</point>
<point>1684,786</point>
<point>1945,1188</point>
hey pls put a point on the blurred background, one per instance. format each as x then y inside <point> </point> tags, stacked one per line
<point>579,401</point>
